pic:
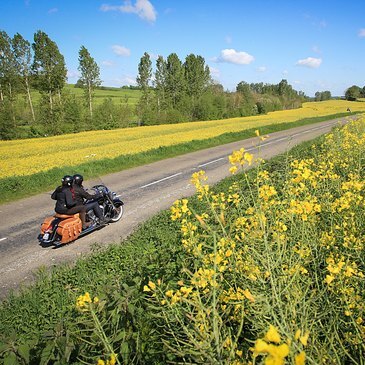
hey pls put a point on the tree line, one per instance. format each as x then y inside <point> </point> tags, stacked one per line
<point>184,91</point>
<point>40,66</point>
<point>173,91</point>
<point>355,92</point>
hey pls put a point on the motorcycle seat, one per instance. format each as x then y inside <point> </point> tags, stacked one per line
<point>65,216</point>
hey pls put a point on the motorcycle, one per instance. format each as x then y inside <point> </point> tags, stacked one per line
<point>60,229</point>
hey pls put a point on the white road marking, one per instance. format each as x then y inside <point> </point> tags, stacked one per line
<point>158,181</point>
<point>208,163</point>
<point>2,239</point>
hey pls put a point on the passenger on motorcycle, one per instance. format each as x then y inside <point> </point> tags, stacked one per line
<point>81,195</point>
<point>66,204</point>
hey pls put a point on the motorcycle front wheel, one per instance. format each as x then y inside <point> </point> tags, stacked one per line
<point>116,213</point>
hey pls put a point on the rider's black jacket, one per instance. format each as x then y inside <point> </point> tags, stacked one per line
<point>80,194</point>
<point>64,198</point>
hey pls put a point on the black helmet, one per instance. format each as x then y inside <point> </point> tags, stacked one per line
<point>67,180</point>
<point>78,179</point>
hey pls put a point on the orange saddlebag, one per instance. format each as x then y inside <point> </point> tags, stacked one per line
<point>46,223</point>
<point>69,229</point>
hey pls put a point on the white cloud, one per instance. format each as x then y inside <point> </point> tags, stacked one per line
<point>121,50</point>
<point>53,10</point>
<point>233,56</point>
<point>143,8</point>
<point>310,62</point>
<point>108,63</point>
<point>361,33</point>
<point>261,69</point>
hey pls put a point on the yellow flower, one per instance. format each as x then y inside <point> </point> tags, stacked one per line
<point>300,358</point>
<point>101,362</point>
<point>146,288</point>
<point>233,170</point>
<point>248,157</point>
<point>304,339</point>
<point>261,346</point>
<point>169,293</point>
<point>152,285</point>
<point>272,335</point>
<point>329,279</point>
<point>112,359</point>
<point>280,351</point>
<point>297,334</point>
<point>83,300</point>
<point>248,295</point>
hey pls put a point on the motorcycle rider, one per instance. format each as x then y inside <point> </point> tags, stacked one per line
<point>80,195</point>
<point>66,204</point>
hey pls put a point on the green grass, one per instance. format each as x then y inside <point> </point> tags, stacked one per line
<point>116,94</point>
<point>18,187</point>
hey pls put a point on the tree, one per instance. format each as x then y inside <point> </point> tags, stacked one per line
<point>353,92</point>
<point>144,76</point>
<point>197,75</point>
<point>175,83</point>
<point>90,76</point>
<point>143,81</point>
<point>8,70</point>
<point>49,67</point>
<point>22,54</point>
<point>322,95</point>
<point>8,82</point>
<point>160,83</point>
<point>247,105</point>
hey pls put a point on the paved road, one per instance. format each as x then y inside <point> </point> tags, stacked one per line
<point>145,191</point>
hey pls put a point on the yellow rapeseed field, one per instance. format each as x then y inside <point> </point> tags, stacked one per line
<point>26,157</point>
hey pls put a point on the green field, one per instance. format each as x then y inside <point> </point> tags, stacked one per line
<point>116,94</point>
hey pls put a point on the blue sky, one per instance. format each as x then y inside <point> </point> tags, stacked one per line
<point>315,45</point>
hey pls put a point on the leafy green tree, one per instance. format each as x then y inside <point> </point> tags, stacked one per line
<point>197,79</point>
<point>49,67</point>
<point>106,115</point>
<point>23,58</point>
<point>353,92</point>
<point>160,83</point>
<point>175,82</point>
<point>322,95</point>
<point>8,70</point>
<point>247,105</point>
<point>197,75</point>
<point>8,80</point>
<point>90,76</point>
<point>143,81</point>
